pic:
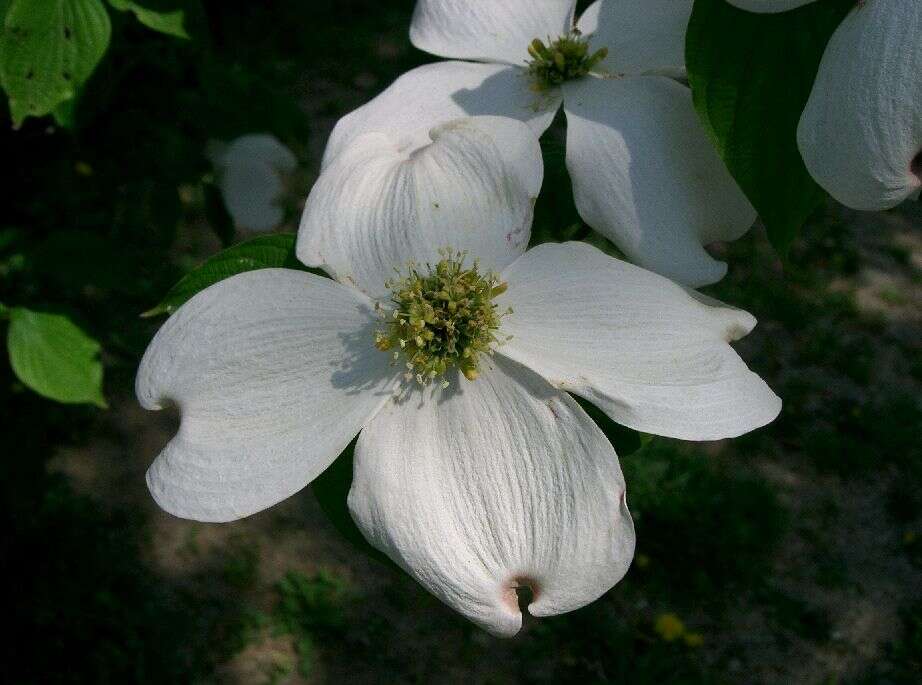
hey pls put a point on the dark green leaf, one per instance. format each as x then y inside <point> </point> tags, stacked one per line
<point>556,218</point>
<point>751,75</point>
<point>331,488</point>
<point>53,357</point>
<point>264,252</point>
<point>65,114</point>
<point>165,16</point>
<point>48,49</point>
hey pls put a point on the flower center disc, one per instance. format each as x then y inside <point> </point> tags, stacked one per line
<point>564,59</point>
<point>441,319</point>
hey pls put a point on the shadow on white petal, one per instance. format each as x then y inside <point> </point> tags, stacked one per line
<point>473,497</point>
<point>274,372</point>
<point>379,205</point>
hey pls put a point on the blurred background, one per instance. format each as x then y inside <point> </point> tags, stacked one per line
<point>792,555</point>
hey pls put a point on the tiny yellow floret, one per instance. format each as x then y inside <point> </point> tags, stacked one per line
<point>441,318</point>
<point>693,639</point>
<point>669,627</point>
<point>561,60</point>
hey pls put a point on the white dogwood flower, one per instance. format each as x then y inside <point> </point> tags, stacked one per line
<point>251,172</point>
<point>644,173</point>
<point>474,487</point>
<point>860,134</point>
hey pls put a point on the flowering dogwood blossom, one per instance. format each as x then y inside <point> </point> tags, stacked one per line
<point>251,172</point>
<point>644,173</point>
<point>860,134</point>
<point>475,487</point>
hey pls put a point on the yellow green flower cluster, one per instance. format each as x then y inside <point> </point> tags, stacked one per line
<point>562,60</point>
<point>441,319</point>
<point>671,628</point>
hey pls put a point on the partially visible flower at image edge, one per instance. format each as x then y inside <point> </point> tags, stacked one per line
<point>860,134</point>
<point>474,487</point>
<point>644,173</point>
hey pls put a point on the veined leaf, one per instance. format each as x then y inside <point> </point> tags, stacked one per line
<point>264,252</point>
<point>54,357</point>
<point>48,49</point>
<point>163,16</point>
<point>751,75</point>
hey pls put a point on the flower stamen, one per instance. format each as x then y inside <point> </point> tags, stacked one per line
<point>564,59</point>
<point>442,319</point>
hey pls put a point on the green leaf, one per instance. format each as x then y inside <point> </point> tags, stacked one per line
<point>49,48</point>
<point>751,75</point>
<point>65,114</point>
<point>556,218</point>
<point>53,357</point>
<point>265,252</point>
<point>164,16</point>
<point>331,489</point>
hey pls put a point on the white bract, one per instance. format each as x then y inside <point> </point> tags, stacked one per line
<point>861,131</point>
<point>644,173</point>
<point>478,487</point>
<point>252,172</point>
<point>860,134</point>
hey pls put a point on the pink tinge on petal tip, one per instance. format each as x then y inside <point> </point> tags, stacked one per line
<point>519,592</point>
<point>523,591</point>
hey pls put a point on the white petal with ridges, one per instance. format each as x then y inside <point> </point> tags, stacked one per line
<point>641,35</point>
<point>861,131</point>
<point>488,30</point>
<point>274,372</point>
<point>646,176</point>
<point>377,207</point>
<point>652,355</point>
<point>494,484</point>
<point>433,94</point>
